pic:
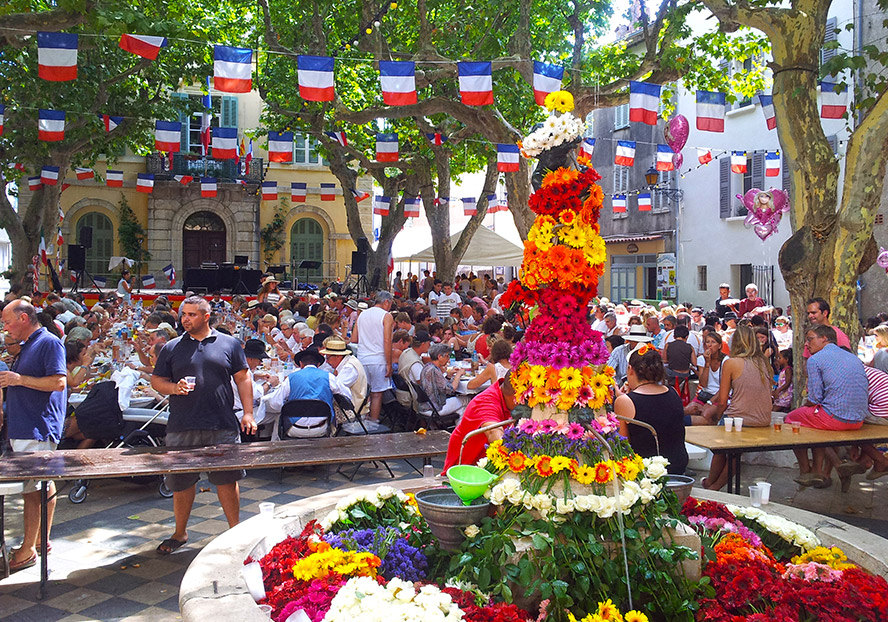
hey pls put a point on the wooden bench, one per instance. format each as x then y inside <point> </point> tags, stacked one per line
<point>135,461</point>
<point>734,444</point>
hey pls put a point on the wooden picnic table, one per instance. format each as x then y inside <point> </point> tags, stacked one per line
<point>734,444</point>
<point>74,464</point>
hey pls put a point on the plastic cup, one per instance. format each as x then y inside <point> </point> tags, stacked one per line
<point>738,423</point>
<point>755,496</point>
<point>729,424</point>
<point>266,610</point>
<point>266,510</point>
<point>796,427</point>
<point>777,421</point>
<point>191,381</point>
<point>252,574</point>
<point>765,489</point>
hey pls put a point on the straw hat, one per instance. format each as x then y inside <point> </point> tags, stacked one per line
<point>335,347</point>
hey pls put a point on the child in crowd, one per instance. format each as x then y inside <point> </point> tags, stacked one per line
<point>782,393</point>
<point>679,354</point>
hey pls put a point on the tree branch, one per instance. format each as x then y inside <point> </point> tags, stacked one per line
<point>15,26</point>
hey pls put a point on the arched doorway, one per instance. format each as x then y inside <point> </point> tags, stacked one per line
<point>203,240</point>
<point>307,244</point>
<point>98,255</point>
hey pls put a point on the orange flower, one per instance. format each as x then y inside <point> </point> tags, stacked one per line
<point>584,160</point>
<point>603,473</point>
<point>517,461</point>
<point>567,217</point>
<point>543,465</point>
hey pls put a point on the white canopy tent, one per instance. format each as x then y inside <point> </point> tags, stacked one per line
<point>486,249</point>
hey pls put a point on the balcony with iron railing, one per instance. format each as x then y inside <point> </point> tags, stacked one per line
<point>199,166</point>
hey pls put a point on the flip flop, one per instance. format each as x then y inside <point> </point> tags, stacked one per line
<point>169,545</point>
<point>16,566</point>
<point>822,482</point>
<point>48,547</point>
<point>874,474</point>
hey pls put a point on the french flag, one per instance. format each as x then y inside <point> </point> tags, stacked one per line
<point>167,135</point>
<point>411,207</point>
<point>625,153</point>
<point>225,143</point>
<point>328,191</point>
<point>269,191</point>
<point>170,273</point>
<point>398,82</point>
<point>767,103</point>
<point>507,157</point>
<point>381,205</point>
<point>546,79</point>
<point>84,173</point>
<point>493,204</point>
<point>148,281</point>
<point>710,111</point>
<point>208,187</point>
<point>298,192</point>
<point>704,155</point>
<point>145,46</point>
<point>772,164</point>
<point>49,175</point>
<point>476,83</point>
<point>437,138</point>
<point>644,202</point>
<point>387,147</point>
<point>114,179</point>
<point>280,146</point>
<point>183,179</point>
<point>359,196</point>
<point>145,183</point>
<point>2,110</point>
<point>833,100</point>
<point>315,75</point>
<point>100,281</point>
<point>442,201</point>
<point>664,158</point>
<point>738,161</point>
<point>34,184</point>
<point>470,206</point>
<point>644,102</point>
<point>587,147</point>
<point>51,125</point>
<point>57,56</point>
<point>232,68</point>
<point>110,122</point>
<point>338,137</point>
<point>619,203</point>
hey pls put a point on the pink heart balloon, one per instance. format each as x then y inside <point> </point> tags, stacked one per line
<point>676,132</point>
<point>764,231</point>
<point>677,160</point>
<point>751,220</point>
<point>748,199</point>
<point>780,200</point>
<point>882,259</point>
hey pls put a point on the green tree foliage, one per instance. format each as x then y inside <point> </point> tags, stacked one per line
<point>129,233</point>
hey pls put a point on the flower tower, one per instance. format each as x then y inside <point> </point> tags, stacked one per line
<point>559,366</point>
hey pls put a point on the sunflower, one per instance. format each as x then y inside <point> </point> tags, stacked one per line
<point>517,462</point>
<point>570,378</point>
<point>543,466</point>
<point>603,473</point>
<point>584,474</point>
<point>562,101</point>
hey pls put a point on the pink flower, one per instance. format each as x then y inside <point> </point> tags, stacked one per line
<point>549,426</point>
<point>575,431</point>
<point>528,426</point>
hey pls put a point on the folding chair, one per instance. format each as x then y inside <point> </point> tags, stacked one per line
<point>408,407</point>
<point>298,409</point>
<point>427,412</point>
<point>356,426</point>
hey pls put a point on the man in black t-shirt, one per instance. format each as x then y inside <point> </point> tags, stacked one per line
<point>195,370</point>
<point>679,354</point>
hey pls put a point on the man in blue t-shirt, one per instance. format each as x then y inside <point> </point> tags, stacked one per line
<point>35,402</point>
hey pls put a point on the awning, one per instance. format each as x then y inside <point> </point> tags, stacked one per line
<point>619,239</point>
<point>486,249</point>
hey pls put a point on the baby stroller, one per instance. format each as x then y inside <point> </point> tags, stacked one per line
<point>99,418</point>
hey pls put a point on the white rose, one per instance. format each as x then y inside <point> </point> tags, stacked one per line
<point>497,495</point>
<point>564,506</point>
<point>481,463</point>
<point>511,485</point>
<point>542,503</point>
<point>330,519</point>
<point>582,503</point>
<point>608,508</point>
<point>471,531</point>
<point>386,492</point>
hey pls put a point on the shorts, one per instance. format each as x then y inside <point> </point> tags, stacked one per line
<point>177,482</point>
<point>703,396</point>
<point>24,445</point>
<point>816,417</point>
<point>377,381</point>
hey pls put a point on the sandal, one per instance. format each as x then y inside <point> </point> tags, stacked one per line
<point>27,563</point>
<point>822,482</point>
<point>169,545</point>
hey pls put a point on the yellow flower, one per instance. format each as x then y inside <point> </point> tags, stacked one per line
<point>594,249</point>
<point>597,402</point>
<point>627,469</point>
<point>609,612</point>
<point>570,378</point>
<point>537,376</point>
<point>572,236</point>
<point>559,463</point>
<point>603,472</point>
<point>585,474</point>
<point>567,398</point>
<point>562,101</point>
<point>635,616</point>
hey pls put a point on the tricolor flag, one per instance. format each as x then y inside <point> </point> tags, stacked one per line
<point>359,196</point>
<point>710,111</point>
<point>280,146</point>
<point>49,175</point>
<point>470,206</point>
<point>65,186</point>
<point>232,69</point>
<point>145,183</point>
<point>338,137</point>
<point>60,239</point>
<point>644,202</point>
<point>411,207</point>
<point>546,79</point>
<point>619,203</point>
<point>437,138</point>
<point>100,281</point>
<point>84,173</point>
<point>248,155</point>
<point>381,205</point>
<point>298,192</point>
<point>328,191</point>
<point>476,83</point>
<point>772,164</point>
<point>387,147</point>
<point>704,155</point>
<point>442,201</point>
<point>664,158</point>
<point>170,273</point>
<point>183,179</point>
<point>61,215</point>
<point>51,125</point>
<point>57,56</point>
<point>19,167</point>
<point>34,184</point>
<point>738,161</point>
<point>587,147</point>
<point>833,100</point>
<point>767,103</point>
<point>493,204</point>
<point>145,46</point>
<point>114,179</point>
<point>398,82</point>
<point>110,122</point>
<point>625,153</point>
<point>2,110</point>
<point>269,191</point>
<point>148,281</point>
<point>167,135</point>
<point>644,102</point>
<point>206,120</point>
<point>225,143</point>
<point>315,75</point>
<point>208,187</point>
<point>42,249</point>
<point>507,156</point>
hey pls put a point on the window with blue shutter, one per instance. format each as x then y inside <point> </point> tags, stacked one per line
<point>724,187</point>
<point>229,111</point>
<point>184,115</point>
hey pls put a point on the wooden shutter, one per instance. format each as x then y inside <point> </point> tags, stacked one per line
<point>724,187</point>
<point>833,144</point>
<point>758,170</point>
<point>184,119</point>
<point>229,111</point>
<point>829,36</point>
<point>784,170</point>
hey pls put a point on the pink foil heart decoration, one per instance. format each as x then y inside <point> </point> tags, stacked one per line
<point>676,132</point>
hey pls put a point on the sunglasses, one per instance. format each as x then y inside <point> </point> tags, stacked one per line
<point>780,324</point>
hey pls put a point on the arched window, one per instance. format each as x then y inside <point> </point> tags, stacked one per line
<point>307,244</point>
<point>203,240</point>
<point>102,247</point>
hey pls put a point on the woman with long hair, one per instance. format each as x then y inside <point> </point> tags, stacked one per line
<point>270,292</point>
<point>703,408</point>
<point>497,367</point>
<point>746,378</point>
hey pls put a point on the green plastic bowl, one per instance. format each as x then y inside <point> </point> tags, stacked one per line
<point>469,482</point>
